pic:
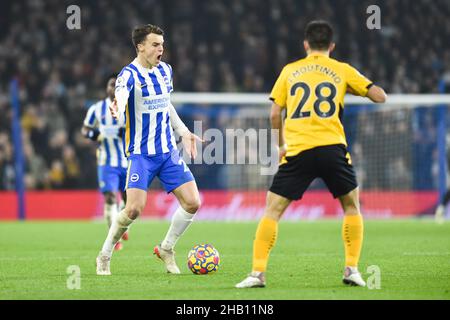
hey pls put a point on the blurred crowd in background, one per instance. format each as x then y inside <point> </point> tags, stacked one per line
<point>219,45</point>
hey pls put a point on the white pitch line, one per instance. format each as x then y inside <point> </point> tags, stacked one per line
<point>66,258</point>
<point>426,253</point>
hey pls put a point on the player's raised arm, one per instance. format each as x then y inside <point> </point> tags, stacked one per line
<point>359,85</point>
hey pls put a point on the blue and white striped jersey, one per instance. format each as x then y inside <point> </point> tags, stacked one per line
<point>111,149</point>
<point>147,114</point>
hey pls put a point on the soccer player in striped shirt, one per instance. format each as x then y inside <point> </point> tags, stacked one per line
<point>143,98</point>
<point>100,126</point>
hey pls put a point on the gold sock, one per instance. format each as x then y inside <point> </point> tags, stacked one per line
<point>352,235</point>
<point>265,238</point>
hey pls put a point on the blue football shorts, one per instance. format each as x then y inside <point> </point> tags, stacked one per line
<point>169,167</point>
<point>111,179</point>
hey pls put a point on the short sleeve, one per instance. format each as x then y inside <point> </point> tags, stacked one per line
<point>279,90</point>
<point>90,120</point>
<point>355,80</point>
<point>125,80</point>
<point>170,77</point>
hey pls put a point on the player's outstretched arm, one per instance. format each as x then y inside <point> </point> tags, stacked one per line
<point>376,94</point>
<point>359,85</point>
<point>189,143</point>
<point>177,124</point>
<point>188,138</point>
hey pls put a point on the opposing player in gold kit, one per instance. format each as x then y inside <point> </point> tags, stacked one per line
<point>312,144</point>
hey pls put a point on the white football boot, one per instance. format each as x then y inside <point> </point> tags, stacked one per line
<point>103,265</point>
<point>254,280</point>
<point>439,214</point>
<point>352,277</point>
<point>168,257</point>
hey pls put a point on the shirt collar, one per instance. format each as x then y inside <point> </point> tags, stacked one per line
<point>317,54</point>
<point>139,66</point>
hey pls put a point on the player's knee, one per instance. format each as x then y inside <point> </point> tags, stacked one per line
<point>133,213</point>
<point>351,207</point>
<point>351,211</point>
<point>350,202</point>
<point>273,215</point>
<point>134,210</point>
<point>276,206</point>
<point>275,210</point>
<point>192,205</point>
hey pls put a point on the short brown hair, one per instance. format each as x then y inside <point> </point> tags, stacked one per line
<point>319,34</point>
<point>140,33</point>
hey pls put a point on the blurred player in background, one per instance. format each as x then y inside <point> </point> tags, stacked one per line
<point>440,210</point>
<point>101,127</point>
<point>312,90</point>
<point>143,96</point>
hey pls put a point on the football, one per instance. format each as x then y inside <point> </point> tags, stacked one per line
<point>203,259</point>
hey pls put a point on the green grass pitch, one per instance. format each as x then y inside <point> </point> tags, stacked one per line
<point>413,257</point>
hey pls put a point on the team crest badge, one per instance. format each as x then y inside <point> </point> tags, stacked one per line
<point>134,177</point>
<point>166,80</point>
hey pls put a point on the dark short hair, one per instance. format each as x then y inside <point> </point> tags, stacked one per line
<point>319,34</point>
<point>109,77</point>
<point>140,33</point>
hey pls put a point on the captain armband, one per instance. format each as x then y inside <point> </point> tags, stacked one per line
<point>92,134</point>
